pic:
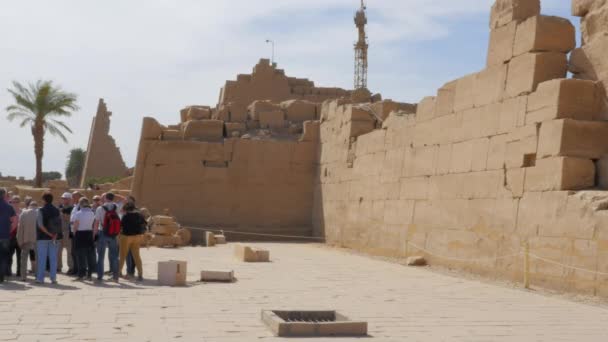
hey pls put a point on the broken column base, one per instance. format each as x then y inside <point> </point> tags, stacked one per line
<point>217,276</point>
<point>172,273</point>
<point>249,254</point>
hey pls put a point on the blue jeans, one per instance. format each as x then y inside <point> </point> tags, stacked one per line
<point>4,255</point>
<point>46,249</point>
<point>130,264</point>
<point>111,243</point>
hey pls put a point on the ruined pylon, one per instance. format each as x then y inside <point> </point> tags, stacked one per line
<point>103,156</point>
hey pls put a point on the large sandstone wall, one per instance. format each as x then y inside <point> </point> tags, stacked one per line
<point>103,156</point>
<point>499,158</point>
<point>262,186</point>
<point>266,82</point>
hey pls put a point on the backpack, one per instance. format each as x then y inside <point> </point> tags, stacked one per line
<point>111,222</point>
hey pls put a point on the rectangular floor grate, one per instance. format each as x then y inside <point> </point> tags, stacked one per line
<point>312,324</point>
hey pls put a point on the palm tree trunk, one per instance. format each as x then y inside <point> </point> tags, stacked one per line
<point>38,133</point>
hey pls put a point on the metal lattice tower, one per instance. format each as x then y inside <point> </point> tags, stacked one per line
<point>361,49</point>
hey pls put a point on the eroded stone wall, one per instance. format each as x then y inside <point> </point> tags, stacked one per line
<point>266,82</point>
<point>103,156</point>
<point>497,159</point>
<point>260,186</point>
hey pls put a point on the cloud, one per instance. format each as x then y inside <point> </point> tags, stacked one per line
<point>151,58</point>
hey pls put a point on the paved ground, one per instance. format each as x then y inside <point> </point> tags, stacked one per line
<point>400,303</point>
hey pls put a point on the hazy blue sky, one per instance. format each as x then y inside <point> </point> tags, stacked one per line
<point>153,57</point>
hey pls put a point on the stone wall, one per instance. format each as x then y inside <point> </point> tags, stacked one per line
<point>266,82</point>
<point>250,185</point>
<point>103,156</point>
<point>498,158</point>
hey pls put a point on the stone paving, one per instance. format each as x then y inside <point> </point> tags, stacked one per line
<point>400,303</point>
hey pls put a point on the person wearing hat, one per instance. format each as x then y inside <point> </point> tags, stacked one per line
<point>63,239</point>
<point>82,227</point>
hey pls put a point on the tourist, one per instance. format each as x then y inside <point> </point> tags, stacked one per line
<point>133,227</point>
<point>82,227</point>
<point>130,259</point>
<point>96,203</point>
<point>49,227</point>
<point>26,236</point>
<point>8,223</point>
<point>106,229</point>
<point>76,196</point>
<point>64,237</point>
<point>14,251</point>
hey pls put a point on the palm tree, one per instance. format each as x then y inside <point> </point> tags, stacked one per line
<point>75,165</point>
<point>38,106</point>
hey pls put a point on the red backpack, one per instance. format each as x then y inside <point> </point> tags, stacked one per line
<point>111,222</point>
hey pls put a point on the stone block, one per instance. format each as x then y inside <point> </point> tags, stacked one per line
<point>220,239</point>
<point>163,220</point>
<point>530,69</point>
<point>426,109</point>
<point>463,93</point>
<point>444,159</point>
<point>602,172</point>
<point>416,188</point>
<point>560,173</point>
<point>165,229</point>
<point>217,276</point>
<point>358,128</point>
<point>580,8</point>
<point>249,254</point>
<point>203,130</point>
<point>258,107</point>
<point>507,11</point>
<point>197,113</point>
<point>543,33</point>
<point>462,157</point>
<point>171,134</point>
<point>521,153</point>
<point>496,152</point>
<point>210,239</point>
<point>272,119</point>
<point>500,49</point>
<point>415,261</point>
<point>172,273</point>
<point>564,98</point>
<point>480,154</point>
<point>512,114</point>
<point>444,103</point>
<point>490,85</point>
<point>299,110</point>
<point>573,138</point>
<point>593,25</point>
<point>235,129</point>
<point>514,182</point>
<point>312,131</point>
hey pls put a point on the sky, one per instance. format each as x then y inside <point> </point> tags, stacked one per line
<point>154,57</point>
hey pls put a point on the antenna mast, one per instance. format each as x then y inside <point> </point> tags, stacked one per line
<point>361,49</point>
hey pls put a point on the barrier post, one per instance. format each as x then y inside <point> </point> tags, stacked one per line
<point>527,265</point>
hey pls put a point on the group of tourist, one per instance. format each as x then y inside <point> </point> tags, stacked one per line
<point>84,229</point>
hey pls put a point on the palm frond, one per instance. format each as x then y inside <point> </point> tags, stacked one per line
<point>55,131</point>
<point>61,124</point>
<point>19,115</point>
<point>26,121</point>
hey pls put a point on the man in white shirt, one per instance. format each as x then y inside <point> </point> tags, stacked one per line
<point>84,245</point>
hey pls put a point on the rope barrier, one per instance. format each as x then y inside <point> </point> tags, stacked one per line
<point>412,245</point>
<point>567,266</point>
<point>461,259</point>
<point>257,234</point>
